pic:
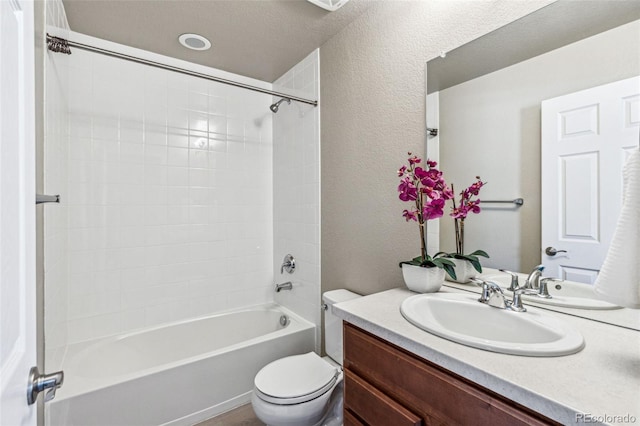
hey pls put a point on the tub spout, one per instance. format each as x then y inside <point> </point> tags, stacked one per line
<point>284,286</point>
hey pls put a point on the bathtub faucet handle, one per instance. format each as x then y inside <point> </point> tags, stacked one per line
<point>288,264</point>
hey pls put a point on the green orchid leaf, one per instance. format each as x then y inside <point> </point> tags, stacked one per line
<point>476,265</point>
<point>410,262</point>
<point>480,253</point>
<point>450,270</point>
<point>447,262</point>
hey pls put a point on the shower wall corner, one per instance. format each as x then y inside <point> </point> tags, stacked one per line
<point>296,186</point>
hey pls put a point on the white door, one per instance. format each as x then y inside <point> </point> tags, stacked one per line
<point>17,211</point>
<point>586,138</point>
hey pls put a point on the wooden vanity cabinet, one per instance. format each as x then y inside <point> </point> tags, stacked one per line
<point>387,386</point>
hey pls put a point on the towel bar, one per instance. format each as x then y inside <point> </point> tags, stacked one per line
<point>517,201</point>
<point>40,198</point>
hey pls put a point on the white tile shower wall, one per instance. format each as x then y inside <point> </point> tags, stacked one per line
<point>56,134</point>
<point>296,177</point>
<point>170,197</point>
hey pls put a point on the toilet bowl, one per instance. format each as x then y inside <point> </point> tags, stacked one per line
<point>295,390</point>
<point>305,390</point>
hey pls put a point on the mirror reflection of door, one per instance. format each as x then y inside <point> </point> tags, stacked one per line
<point>586,138</point>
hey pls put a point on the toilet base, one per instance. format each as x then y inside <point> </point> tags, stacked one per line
<point>334,415</point>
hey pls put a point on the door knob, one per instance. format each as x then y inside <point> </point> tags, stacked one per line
<point>39,382</point>
<point>551,251</point>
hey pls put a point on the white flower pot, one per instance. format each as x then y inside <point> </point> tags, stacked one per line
<point>422,280</point>
<point>464,271</point>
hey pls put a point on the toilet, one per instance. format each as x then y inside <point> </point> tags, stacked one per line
<point>305,390</point>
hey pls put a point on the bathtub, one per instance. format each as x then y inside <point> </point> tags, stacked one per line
<point>176,374</point>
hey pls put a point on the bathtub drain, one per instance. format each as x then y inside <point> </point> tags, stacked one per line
<point>284,320</point>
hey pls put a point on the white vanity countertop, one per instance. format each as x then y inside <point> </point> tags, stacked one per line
<point>602,380</point>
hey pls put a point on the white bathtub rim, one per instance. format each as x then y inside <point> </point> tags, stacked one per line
<point>248,308</point>
<point>84,385</point>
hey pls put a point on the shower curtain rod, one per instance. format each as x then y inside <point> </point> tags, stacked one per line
<point>58,44</point>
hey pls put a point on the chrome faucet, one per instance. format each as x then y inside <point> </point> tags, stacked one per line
<point>514,280</point>
<point>492,294</point>
<point>533,280</point>
<point>288,264</point>
<point>284,286</point>
<point>516,303</point>
<point>544,288</point>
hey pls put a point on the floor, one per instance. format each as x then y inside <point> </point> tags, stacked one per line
<point>241,416</point>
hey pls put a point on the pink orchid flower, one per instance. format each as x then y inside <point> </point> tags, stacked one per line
<point>408,191</point>
<point>434,209</point>
<point>410,215</point>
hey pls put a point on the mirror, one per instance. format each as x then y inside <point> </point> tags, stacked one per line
<point>484,98</point>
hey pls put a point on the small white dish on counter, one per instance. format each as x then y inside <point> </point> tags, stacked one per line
<point>462,319</point>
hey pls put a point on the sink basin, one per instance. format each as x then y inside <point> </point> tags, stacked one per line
<point>462,319</point>
<point>568,295</point>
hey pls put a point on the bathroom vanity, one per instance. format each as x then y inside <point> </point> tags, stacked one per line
<point>396,373</point>
<point>378,374</point>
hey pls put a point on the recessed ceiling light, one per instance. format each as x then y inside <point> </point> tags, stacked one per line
<point>194,41</point>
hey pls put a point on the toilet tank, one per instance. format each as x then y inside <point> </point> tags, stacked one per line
<point>333,324</point>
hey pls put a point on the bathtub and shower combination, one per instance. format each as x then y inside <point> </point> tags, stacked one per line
<point>176,374</point>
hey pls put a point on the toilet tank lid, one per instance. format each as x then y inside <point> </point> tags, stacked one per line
<point>337,296</point>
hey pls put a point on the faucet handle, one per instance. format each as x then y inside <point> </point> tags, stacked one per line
<point>492,293</point>
<point>288,264</point>
<point>516,303</point>
<point>514,280</point>
<point>484,297</point>
<point>544,288</point>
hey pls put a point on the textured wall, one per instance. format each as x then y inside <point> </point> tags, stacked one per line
<point>373,112</point>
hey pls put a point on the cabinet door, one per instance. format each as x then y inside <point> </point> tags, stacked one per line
<point>351,420</point>
<point>435,394</point>
<point>373,406</point>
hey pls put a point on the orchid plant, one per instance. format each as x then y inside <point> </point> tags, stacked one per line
<point>469,203</point>
<point>427,190</point>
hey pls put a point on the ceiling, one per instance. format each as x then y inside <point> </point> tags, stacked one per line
<point>256,38</point>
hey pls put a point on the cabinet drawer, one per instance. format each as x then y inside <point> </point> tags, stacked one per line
<point>374,407</point>
<point>437,395</point>
<point>351,420</point>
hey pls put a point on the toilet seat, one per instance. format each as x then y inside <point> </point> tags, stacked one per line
<point>295,379</point>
